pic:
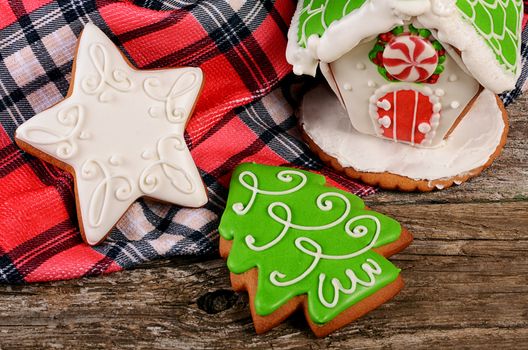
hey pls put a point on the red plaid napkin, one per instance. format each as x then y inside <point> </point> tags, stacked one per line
<point>239,45</point>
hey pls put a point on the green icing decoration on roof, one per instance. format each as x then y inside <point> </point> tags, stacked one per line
<point>498,21</point>
<point>305,238</point>
<point>317,15</point>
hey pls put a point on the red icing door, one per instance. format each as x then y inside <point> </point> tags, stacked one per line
<point>406,115</point>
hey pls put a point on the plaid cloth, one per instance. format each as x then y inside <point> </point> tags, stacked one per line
<point>242,115</point>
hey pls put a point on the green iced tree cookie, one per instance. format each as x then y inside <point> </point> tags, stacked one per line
<point>305,238</point>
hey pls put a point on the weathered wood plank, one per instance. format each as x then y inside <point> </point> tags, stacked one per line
<point>466,282</point>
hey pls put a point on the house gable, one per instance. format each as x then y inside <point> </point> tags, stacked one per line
<point>486,32</point>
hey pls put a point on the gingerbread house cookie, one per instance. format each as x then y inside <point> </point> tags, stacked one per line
<point>411,99</point>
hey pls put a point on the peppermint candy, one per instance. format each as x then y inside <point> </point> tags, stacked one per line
<point>410,58</point>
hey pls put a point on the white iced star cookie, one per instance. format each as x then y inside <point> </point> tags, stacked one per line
<point>120,133</point>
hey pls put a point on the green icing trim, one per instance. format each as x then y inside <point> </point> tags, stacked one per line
<point>317,15</point>
<point>303,241</point>
<point>498,22</point>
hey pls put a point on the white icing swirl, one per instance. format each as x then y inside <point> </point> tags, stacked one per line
<point>150,177</point>
<point>93,169</point>
<point>284,176</point>
<point>370,267</point>
<point>307,245</point>
<point>71,117</point>
<point>106,76</point>
<point>184,84</point>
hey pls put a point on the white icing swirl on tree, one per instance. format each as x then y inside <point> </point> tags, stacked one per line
<point>284,176</point>
<point>307,245</point>
<point>370,267</point>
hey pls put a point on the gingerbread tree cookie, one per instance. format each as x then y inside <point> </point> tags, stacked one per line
<point>293,242</point>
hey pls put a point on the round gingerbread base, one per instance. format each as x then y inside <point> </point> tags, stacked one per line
<point>475,143</point>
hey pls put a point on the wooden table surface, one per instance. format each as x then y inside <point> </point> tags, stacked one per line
<point>466,277</point>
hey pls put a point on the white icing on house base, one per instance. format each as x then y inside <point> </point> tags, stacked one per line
<point>366,83</point>
<point>469,146</point>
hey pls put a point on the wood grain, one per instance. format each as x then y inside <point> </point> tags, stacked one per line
<point>466,278</point>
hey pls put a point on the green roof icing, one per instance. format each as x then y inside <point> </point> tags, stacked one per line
<point>317,15</point>
<point>497,21</point>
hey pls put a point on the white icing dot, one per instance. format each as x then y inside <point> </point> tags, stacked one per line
<point>455,104</point>
<point>424,128</point>
<point>84,135</point>
<point>385,121</point>
<point>153,112</point>
<point>348,87</point>
<point>105,96</point>
<point>439,92</point>
<point>360,66</point>
<point>177,113</point>
<point>440,186</point>
<point>437,107</point>
<point>385,104</point>
<point>147,154</point>
<point>371,84</point>
<point>115,160</point>
<point>453,77</point>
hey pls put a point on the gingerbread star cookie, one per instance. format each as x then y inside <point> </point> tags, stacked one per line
<point>120,133</point>
<point>294,243</point>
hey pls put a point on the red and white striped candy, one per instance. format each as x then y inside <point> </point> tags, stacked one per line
<point>410,58</point>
